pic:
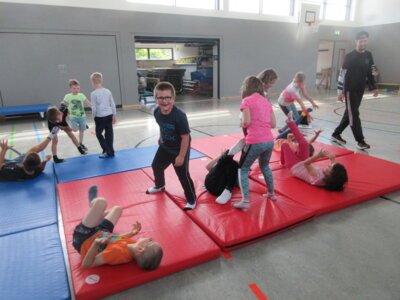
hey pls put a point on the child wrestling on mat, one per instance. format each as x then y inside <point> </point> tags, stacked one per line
<point>93,238</point>
<point>333,177</point>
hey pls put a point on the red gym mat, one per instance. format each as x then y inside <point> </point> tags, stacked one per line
<point>232,228</point>
<point>213,146</point>
<point>369,177</point>
<point>184,243</point>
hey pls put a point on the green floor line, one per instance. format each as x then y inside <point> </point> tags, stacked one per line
<point>10,153</point>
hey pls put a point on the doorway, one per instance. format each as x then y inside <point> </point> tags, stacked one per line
<point>191,65</point>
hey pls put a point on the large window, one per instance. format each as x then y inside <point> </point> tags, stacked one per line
<point>248,6</point>
<point>205,4</point>
<point>330,9</point>
<point>334,9</point>
<point>154,54</point>
<point>280,8</point>
<point>158,2</point>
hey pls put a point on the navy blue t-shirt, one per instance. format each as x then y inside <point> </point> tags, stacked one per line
<point>172,126</point>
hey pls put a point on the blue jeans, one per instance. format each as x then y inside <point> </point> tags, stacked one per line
<point>263,152</point>
<point>286,110</point>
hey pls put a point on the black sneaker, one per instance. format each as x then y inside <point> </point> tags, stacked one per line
<point>84,147</point>
<point>338,139</point>
<point>81,150</point>
<point>363,146</point>
<point>57,160</point>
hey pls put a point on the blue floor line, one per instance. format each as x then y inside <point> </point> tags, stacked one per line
<point>42,153</point>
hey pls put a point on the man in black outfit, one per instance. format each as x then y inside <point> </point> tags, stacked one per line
<point>357,67</point>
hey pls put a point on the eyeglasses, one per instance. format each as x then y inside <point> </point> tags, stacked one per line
<point>169,98</point>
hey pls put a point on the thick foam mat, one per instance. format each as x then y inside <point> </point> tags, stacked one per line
<point>24,109</point>
<point>32,265</point>
<point>88,166</point>
<point>161,219</point>
<point>28,204</point>
<point>369,177</point>
<point>232,228</point>
<point>213,146</point>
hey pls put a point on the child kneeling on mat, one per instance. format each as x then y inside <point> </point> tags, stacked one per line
<point>333,177</point>
<point>94,240</point>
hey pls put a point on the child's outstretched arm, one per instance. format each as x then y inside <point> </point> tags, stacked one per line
<point>309,98</point>
<point>214,161</point>
<point>4,148</point>
<point>308,162</point>
<point>135,230</point>
<point>300,102</point>
<point>88,103</point>
<point>316,135</point>
<point>93,258</point>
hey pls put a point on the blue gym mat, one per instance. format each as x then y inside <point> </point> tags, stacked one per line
<point>83,167</point>
<point>24,109</point>
<point>28,204</point>
<point>32,265</point>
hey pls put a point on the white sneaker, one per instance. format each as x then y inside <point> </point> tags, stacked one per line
<point>224,197</point>
<point>154,190</point>
<point>305,126</point>
<point>53,132</point>
<point>190,206</point>
<point>270,196</point>
<point>244,204</point>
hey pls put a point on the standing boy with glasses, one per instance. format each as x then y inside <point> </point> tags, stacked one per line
<point>174,143</point>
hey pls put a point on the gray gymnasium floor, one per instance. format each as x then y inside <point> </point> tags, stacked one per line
<point>353,253</point>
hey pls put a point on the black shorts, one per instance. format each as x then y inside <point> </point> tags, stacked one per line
<point>82,232</point>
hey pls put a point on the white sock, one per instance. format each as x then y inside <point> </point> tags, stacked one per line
<point>237,147</point>
<point>224,197</point>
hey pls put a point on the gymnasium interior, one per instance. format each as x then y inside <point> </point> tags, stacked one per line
<point>308,244</point>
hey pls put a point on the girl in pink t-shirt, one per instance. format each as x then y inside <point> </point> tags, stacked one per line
<point>333,177</point>
<point>258,117</point>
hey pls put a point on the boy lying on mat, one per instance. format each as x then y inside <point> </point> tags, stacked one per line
<point>94,240</point>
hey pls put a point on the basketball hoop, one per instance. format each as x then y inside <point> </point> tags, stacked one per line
<point>310,23</point>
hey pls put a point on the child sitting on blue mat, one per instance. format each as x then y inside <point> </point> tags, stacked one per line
<point>174,143</point>
<point>93,238</point>
<point>24,166</point>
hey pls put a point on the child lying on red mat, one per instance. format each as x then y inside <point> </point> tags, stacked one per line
<point>94,240</point>
<point>333,177</point>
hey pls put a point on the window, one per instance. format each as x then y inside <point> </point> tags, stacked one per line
<point>280,8</point>
<point>248,6</point>
<point>204,4</point>
<point>142,53</point>
<point>153,54</point>
<point>336,10</point>
<point>158,2</point>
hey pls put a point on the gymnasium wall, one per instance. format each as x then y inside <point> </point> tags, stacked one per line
<point>47,45</point>
<point>383,43</point>
<point>246,48</point>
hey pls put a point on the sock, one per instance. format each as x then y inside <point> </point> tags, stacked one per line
<point>92,193</point>
<point>237,147</point>
<point>224,197</point>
